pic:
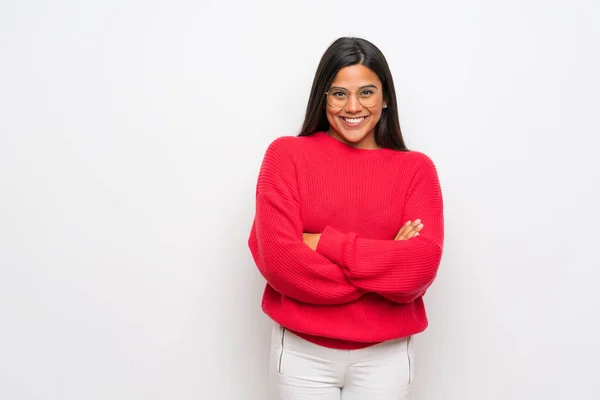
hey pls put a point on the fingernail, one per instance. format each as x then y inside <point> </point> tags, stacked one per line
<point>420,226</point>
<point>417,234</point>
<point>417,221</point>
<point>408,223</point>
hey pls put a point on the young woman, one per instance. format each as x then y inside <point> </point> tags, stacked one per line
<point>348,234</point>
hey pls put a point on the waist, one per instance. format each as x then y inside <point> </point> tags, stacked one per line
<point>332,343</point>
<point>367,321</point>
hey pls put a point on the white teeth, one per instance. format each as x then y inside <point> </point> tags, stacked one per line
<point>354,120</point>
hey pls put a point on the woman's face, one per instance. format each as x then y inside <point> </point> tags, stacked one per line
<point>354,124</point>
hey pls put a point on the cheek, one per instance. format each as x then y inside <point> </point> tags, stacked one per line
<point>331,115</point>
<point>375,116</point>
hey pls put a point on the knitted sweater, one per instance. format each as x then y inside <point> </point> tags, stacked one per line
<point>360,286</point>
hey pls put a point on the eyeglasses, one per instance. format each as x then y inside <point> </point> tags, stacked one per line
<point>367,96</point>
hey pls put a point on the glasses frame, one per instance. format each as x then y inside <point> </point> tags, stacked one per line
<point>379,91</point>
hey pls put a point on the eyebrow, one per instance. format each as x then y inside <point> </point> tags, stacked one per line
<point>362,87</point>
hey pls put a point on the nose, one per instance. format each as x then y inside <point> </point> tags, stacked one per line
<point>353,105</point>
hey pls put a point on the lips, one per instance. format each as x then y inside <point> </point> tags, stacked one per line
<point>355,121</point>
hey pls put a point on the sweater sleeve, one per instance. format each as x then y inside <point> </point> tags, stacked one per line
<point>399,270</point>
<point>284,260</point>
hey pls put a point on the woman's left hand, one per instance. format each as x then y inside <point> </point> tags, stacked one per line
<point>311,240</point>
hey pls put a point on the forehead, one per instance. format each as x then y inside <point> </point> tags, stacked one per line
<point>355,76</point>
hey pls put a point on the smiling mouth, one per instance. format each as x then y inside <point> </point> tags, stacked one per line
<point>353,121</point>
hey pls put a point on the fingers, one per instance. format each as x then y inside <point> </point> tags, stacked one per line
<point>409,230</point>
<point>417,227</point>
<point>401,235</point>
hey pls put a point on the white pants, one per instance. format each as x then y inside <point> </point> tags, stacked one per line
<point>301,370</point>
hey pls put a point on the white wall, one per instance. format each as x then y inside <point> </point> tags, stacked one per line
<point>131,133</point>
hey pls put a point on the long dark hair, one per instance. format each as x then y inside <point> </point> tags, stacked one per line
<point>344,52</point>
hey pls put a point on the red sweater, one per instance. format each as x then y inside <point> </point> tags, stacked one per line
<point>360,286</point>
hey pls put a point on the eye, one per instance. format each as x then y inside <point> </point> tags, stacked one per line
<point>338,93</point>
<point>367,92</point>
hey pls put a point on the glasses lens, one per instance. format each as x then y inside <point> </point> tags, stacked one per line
<point>337,98</point>
<point>368,97</point>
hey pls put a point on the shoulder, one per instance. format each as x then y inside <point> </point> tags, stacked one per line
<point>282,144</point>
<point>279,148</point>
<point>289,146</point>
<point>415,159</point>
<point>417,167</point>
<point>281,154</point>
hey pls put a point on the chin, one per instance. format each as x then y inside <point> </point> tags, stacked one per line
<point>353,137</point>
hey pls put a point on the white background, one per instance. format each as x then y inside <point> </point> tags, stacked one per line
<point>131,136</point>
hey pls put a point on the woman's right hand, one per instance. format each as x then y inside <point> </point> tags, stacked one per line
<point>409,230</point>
